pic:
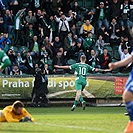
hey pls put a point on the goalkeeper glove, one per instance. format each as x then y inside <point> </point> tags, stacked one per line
<point>26,119</point>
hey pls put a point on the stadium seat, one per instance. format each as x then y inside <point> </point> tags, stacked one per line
<point>108,74</point>
<point>50,66</point>
<point>115,48</point>
<point>22,48</point>
<point>50,62</point>
<point>14,48</point>
<point>116,55</point>
<point>109,50</point>
<point>117,74</point>
<point>89,3</point>
<point>71,61</point>
<point>6,48</point>
<point>81,3</point>
<point>116,70</point>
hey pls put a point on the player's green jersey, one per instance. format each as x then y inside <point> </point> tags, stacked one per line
<point>81,70</point>
<point>4,60</point>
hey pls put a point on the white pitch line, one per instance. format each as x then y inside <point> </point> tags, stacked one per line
<point>81,127</point>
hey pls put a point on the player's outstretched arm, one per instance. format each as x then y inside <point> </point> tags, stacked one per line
<point>62,67</point>
<point>102,70</point>
<point>121,63</point>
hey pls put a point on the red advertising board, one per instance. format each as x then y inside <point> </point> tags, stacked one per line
<point>120,85</point>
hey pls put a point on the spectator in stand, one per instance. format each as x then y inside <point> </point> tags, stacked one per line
<point>44,23</point>
<point>53,27</point>
<point>114,31</point>
<point>1,23</point>
<point>99,45</point>
<point>76,9</point>
<point>47,6</point>
<point>4,4</point>
<point>91,16</point>
<point>49,46</point>
<point>124,54</point>
<point>40,21</point>
<point>40,33</point>
<point>20,62</point>
<point>46,69</point>
<point>114,9</point>
<point>102,15</point>
<point>12,56</point>
<point>45,41</point>
<point>35,47</point>
<point>29,63</point>
<point>124,31</point>
<point>30,33</point>
<point>26,4</point>
<point>63,27</point>
<point>85,28</point>
<point>58,60</point>
<point>38,15</point>
<point>102,31</point>
<point>68,42</point>
<point>60,12</point>
<point>36,4</point>
<point>131,32</point>
<point>74,20</point>
<point>89,43</point>
<point>79,49</point>
<point>93,60</point>
<point>57,44</point>
<point>66,5</point>
<point>15,71</point>
<point>125,13</point>
<point>15,6</point>
<point>9,22</point>
<point>131,10</point>
<point>5,42</point>
<point>30,18</point>
<point>127,44</point>
<point>74,30</point>
<point>105,59</point>
<point>55,5</point>
<point>61,49</point>
<point>45,56</point>
<point>18,27</point>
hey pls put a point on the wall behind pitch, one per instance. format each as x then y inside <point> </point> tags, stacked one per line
<point>59,87</point>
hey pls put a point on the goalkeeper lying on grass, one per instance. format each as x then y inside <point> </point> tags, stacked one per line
<point>15,113</point>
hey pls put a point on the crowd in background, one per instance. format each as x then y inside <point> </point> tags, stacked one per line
<point>44,33</point>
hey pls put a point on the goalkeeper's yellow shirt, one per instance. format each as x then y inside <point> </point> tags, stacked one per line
<point>6,115</point>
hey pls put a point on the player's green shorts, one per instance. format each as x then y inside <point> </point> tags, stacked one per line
<point>80,84</point>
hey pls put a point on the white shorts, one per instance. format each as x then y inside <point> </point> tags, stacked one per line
<point>0,113</point>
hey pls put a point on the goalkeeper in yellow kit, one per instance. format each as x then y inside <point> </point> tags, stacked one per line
<point>15,113</point>
<point>81,70</point>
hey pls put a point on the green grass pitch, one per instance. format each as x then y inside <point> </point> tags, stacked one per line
<point>62,120</point>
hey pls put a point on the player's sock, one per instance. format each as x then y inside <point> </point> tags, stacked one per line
<point>76,102</point>
<point>81,99</point>
<point>129,108</point>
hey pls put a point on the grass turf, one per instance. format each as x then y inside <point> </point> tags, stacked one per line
<point>62,120</point>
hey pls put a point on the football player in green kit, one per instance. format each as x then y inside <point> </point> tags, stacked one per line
<point>4,60</point>
<point>81,70</point>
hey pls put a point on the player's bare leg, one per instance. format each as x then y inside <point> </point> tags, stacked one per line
<point>83,102</point>
<point>127,99</point>
<point>78,94</point>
